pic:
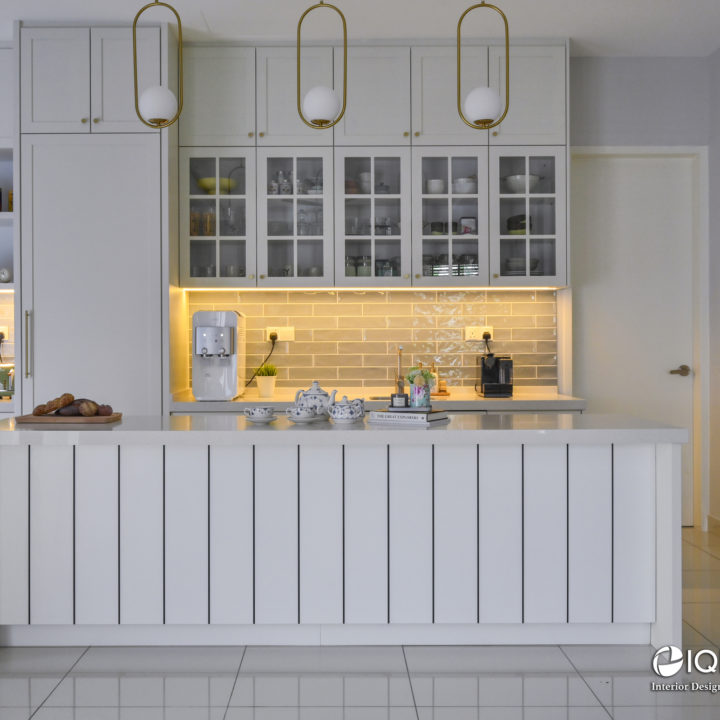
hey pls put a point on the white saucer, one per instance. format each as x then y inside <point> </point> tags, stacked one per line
<point>261,420</point>
<point>302,420</point>
<point>346,421</point>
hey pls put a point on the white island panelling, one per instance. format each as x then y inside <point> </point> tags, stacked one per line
<point>52,527</point>
<point>96,535</point>
<point>186,535</point>
<point>141,535</point>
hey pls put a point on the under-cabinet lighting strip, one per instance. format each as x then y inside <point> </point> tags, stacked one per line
<point>375,288</point>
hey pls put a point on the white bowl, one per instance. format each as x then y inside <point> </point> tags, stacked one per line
<point>516,183</point>
<point>515,263</point>
<point>436,186</point>
<point>465,185</point>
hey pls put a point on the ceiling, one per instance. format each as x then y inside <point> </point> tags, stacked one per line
<point>617,28</point>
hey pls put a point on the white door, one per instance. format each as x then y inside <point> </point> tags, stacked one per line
<point>91,269</point>
<point>378,96</point>
<point>632,250</point>
<point>111,76</point>
<point>219,107</point>
<point>55,80</point>
<point>278,122</point>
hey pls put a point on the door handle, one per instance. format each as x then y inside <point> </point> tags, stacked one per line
<point>683,370</point>
<point>27,343</point>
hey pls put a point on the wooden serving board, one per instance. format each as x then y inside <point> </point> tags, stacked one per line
<point>67,419</point>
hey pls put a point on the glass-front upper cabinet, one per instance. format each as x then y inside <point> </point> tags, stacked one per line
<point>372,216</point>
<point>295,217</point>
<point>217,217</point>
<point>450,216</point>
<point>528,240</point>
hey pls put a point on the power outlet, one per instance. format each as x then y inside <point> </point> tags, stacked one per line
<point>284,334</point>
<point>476,332</point>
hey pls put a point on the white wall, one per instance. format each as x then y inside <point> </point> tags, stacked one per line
<point>639,101</point>
<point>714,224</point>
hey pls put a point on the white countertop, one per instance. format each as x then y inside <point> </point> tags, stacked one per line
<point>231,429</point>
<point>533,399</point>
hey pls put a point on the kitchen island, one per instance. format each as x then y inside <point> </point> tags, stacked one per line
<point>514,528</point>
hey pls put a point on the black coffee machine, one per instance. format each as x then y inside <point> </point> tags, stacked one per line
<point>496,372</point>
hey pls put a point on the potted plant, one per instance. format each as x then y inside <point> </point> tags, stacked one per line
<point>421,381</point>
<point>265,379</point>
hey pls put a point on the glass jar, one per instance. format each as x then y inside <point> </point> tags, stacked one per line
<point>364,266</point>
<point>350,269</point>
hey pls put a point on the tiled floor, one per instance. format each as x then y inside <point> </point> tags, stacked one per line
<point>370,683</point>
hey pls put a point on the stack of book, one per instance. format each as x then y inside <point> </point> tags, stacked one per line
<point>423,417</point>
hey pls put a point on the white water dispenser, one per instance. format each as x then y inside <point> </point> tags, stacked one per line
<point>218,357</point>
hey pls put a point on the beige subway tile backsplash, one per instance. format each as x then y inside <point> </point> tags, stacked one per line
<point>350,337</point>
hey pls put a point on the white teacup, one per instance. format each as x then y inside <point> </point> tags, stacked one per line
<point>300,411</point>
<point>259,412</point>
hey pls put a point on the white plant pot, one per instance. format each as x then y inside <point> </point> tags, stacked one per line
<point>265,385</point>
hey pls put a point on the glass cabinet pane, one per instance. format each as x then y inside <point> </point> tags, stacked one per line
<point>202,218</point>
<point>542,257</point>
<point>202,259</point>
<point>464,175</point>
<point>309,176</point>
<point>232,217</point>
<point>435,175</point>
<point>310,258</point>
<point>280,218</point>
<point>542,175</point>
<point>309,217</point>
<point>232,258</point>
<point>542,216</point>
<point>513,220</point>
<point>358,176</point>
<point>512,257</point>
<point>280,176</point>
<point>280,258</point>
<point>387,176</point>
<point>202,176</point>
<point>232,176</point>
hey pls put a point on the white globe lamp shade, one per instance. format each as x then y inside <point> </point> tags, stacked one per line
<point>157,105</point>
<point>321,105</point>
<point>482,106</point>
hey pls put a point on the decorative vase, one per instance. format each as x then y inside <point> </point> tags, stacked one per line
<point>419,395</point>
<point>265,385</point>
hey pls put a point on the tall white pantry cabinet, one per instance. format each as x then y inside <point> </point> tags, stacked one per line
<point>94,194</point>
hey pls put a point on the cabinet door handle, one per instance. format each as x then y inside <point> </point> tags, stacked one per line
<point>250,134</point>
<point>406,276</point>
<point>83,120</point>
<point>262,277</point>
<point>262,134</point>
<point>683,371</point>
<point>406,134</point>
<point>495,275</point>
<point>96,120</point>
<point>417,133</point>
<point>27,343</point>
<point>495,133</point>
<point>251,276</point>
<point>417,276</point>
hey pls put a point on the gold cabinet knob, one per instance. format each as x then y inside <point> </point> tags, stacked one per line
<point>262,134</point>
<point>417,276</point>
<point>250,134</point>
<point>495,275</point>
<point>406,276</point>
<point>96,120</point>
<point>83,120</point>
<point>406,134</point>
<point>495,133</point>
<point>262,277</point>
<point>417,133</point>
<point>251,276</point>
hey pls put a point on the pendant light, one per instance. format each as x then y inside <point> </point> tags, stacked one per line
<point>157,107</point>
<point>482,105</point>
<point>321,104</point>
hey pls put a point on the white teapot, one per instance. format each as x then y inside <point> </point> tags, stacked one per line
<point>346,411</point>
<point>315,398</point>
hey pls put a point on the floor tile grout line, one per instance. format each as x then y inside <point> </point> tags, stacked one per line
<point>582,677</point>
<point>706,550</point>
<point>412,692</point>
<point>711,643</point>
<point>72,667</point>
<point>237,675</point>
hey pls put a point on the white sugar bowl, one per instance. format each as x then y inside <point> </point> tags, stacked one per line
<point>347,411</point>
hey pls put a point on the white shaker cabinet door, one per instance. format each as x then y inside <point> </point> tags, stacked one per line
<point>435,119</point>
<point>52,591</point>
<point>378,96</point>
<point>96,534</point>
<point>366,534</point>
<point>186,535</point>
<point>55,80</point>
<point>141,535</point>
<point>7,91</point>
<point>278,121</point>
<point>219,107</point>
<point>455,527</point>
<point>537,95</point>
<point>91,269</point>
<point>111,76</point>
<point>276,534</point>
<point>14,547</point>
